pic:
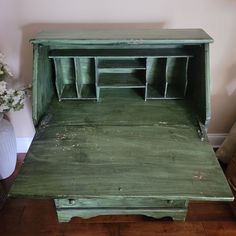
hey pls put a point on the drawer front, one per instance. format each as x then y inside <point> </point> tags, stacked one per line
<point>130,202</point>
<point>65,215</point>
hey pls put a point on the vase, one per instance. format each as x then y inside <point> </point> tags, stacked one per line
<point>7,148</point>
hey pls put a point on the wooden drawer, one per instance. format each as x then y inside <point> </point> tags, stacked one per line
<point>92,207</point>
<point>130,202</point>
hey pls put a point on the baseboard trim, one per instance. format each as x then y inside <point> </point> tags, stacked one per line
<point>23,144</point>
<point>216,139</point>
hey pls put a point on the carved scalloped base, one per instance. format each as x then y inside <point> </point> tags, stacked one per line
<point>65,215</point>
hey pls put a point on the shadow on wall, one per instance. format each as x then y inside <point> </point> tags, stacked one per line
<point>224,106</point>
<point>223,101</point>
<point>30,31</point>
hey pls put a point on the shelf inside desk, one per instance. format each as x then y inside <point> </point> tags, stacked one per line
<point>121,80</point>
<point>121,63</point>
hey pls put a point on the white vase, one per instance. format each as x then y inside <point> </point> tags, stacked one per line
<point>7,148</point>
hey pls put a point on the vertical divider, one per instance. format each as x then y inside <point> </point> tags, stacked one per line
<point>96,79</point>
<point>186,75</point>
<point>147,60</point>
<point>77,77</point>
<point>58,81</point>
<point>166,76</point>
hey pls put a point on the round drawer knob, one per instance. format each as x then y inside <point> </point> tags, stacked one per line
<point>71,201</point>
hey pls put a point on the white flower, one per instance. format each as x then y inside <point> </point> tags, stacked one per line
<point>3,108</point>
<point>3,84</point>
<point>3,87</point>
<point>10,99</point>
<point>16,100</point>
<point>4,68</point>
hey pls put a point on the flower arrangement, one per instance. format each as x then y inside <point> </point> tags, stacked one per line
<point>10,99</point>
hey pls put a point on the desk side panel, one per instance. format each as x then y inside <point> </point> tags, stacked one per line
<point>199,82</point>
<point>43,88</point>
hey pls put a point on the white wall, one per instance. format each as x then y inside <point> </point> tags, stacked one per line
<point>21,19</point>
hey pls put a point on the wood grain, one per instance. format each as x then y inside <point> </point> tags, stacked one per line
<point>102,156</point>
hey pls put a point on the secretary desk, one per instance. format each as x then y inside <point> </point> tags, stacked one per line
<point>121,119</point>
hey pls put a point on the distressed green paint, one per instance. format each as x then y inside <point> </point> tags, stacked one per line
<point>79,51</point>
<point>115,139</point>
<point>43,88</point>
<point>90,207</point>
<point>64,215</point>
<point>131,36</point>
<point>118,202</point>
<point>121,151</point>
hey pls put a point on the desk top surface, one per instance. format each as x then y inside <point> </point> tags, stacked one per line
<point>161,36</point>
<point>122,147</point>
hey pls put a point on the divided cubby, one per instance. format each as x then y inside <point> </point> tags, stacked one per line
<point>85,77</point>
<point>159,77</point>
<point>75,77</point>
<point>176,77</point>
<point>65,78</point>
<point>156,77</point>
<point>167,77</point>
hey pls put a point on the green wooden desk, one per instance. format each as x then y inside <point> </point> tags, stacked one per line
<point>121,119</point>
